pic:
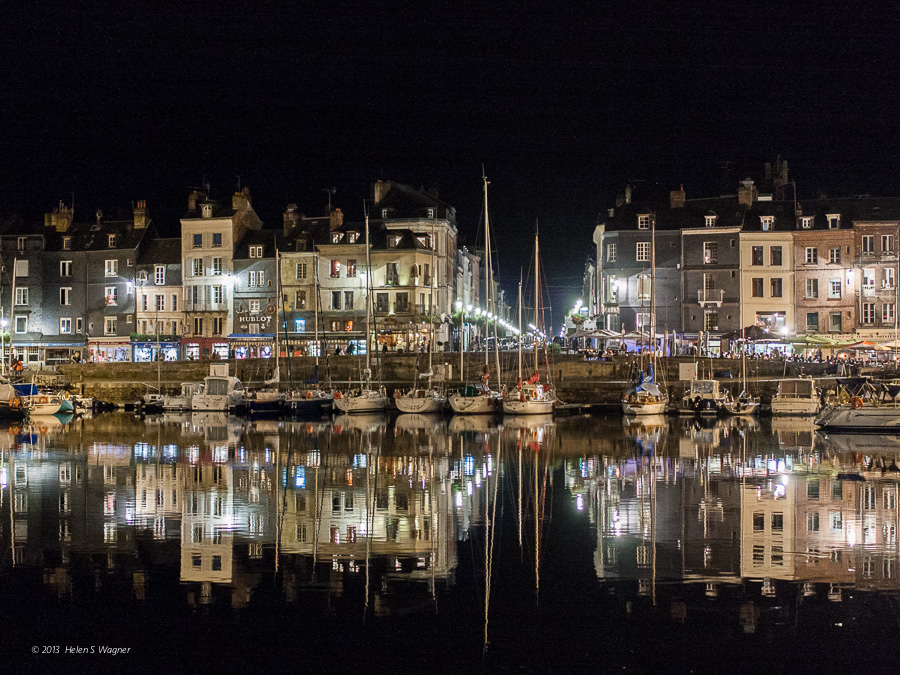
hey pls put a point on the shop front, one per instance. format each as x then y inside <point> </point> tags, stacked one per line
<point>204,348</point>
<point>142,352</point>
<point>46,350</point>
<point>254,346</point>
<point>109,350</point>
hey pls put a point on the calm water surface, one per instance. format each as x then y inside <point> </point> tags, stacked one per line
<point>413,544</point>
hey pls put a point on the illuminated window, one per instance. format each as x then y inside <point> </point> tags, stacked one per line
<point>301,270</point>
<point>22,296</point>
<point>217,240</point>
<point>351,269</point>
<point>610,253</point>
<point>868,244</point>
<point>299,325</point>
<point>644,222</point>
<point>710,253</point>
<point>811,255</point>
<point>65,268</point>
<point>767,223</point>
<point>642,253</point>
<point>112,268</point>
<point>335,269</point>
<point>112,296</point>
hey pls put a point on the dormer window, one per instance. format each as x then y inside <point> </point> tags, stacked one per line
<point>206,210</point>
<point>111,240</point>
<point>767,223</point>
<point>336,238</point>
<point>67,243</point>
<point>431,213</point>
<point>353,237</point>
<point>711,220</point>
<point>806,222</point>
<point>644,222</point>
<point>20,243</point>
<point>834,221</point>
<point>256,251</point>
<point>393,240</point>
<point>384,213</point>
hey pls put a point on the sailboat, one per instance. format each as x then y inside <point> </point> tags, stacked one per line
<point>744,404</point>
<point>646,396</point>
<point>312,401</point>
<point>481,399</point>
<point>429,399</point>
<point>530,397</point>
<point>366,399</point>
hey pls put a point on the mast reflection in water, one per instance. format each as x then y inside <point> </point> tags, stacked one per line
<point>413,542</point>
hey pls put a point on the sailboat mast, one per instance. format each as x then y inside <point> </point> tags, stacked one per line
<point>537,323</point>
<point>368,372</point>
<point>491,301</point>
<point>278,295</point>
<point>316,313</point>
<point>520,328</point>
<point>487,262</point>
<point>653,281</point>
<point>432,279</point>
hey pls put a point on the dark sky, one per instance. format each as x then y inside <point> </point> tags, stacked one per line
<point>562,102</point>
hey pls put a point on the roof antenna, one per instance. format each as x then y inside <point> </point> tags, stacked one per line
<point>330,192</point>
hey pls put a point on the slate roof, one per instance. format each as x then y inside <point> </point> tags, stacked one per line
<point>404,201</point>
<point>265,238</point>
<point>157,251</point>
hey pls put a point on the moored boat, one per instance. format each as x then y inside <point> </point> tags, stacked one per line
<point>706,397</point>
<point>796,396</point>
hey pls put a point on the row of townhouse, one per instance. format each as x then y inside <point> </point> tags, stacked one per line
<point>114,290</point>
<point>724,264</point>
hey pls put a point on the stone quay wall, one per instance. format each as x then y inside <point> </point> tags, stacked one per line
<point>577,380</point>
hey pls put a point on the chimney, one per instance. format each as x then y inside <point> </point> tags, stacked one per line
<point>380,189</point>
<point>240,200</point>
<point>676,198</point>
<point>291,219</point>
<point>60,219</point>
<point>335,219</point>
<point>193,198</point>
<point>627,194</point>
<point>140,215</point>
<point>747,193</point>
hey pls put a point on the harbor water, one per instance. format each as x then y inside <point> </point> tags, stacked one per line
<point>433,544</point>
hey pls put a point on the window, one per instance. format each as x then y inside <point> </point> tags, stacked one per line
<point>65,296</point>
<point>812,288</point>
<point>767,223</point>
<point>887,312</point>
<point>110,325</point>
<point>643,251</point>
<point>777,522</point>
<point>301,270</point>
<point>812,255</point>
<point>348,326</point>
<point>402,302</point>
<point>834,289</point>
<point>812,321</point>
<point>887,243</point>
<point>710,253</point>
<point>775,257</point>
<point>812,522</point>
<point>144,301</point>
<point>709,282</point>
<point>299,325</point>
<point>20,243</point>
<point>711,320</point>
<point>65,326</point>
<point>21,324</point>
<point>890,498</point>
<point>834,254</point>
<point>710,221</point>
<point>353,236</point>
<point>756,257</point>
<point>300,302</point>
<point>111,240</point>
<point>351,269</point>
<point>197,241</point>
<point>834,221</point>
<point>806,222</point>
<point>251,279</point>
<point>834,322</point>
<point>868,312</point>
<point>256,251</point>
<point>336,237</point>
<point>160,302</point>
<point>79,325</point>
<point>759,522</point>
<point>159,275</point>
<point>174,302</point>
<point>348,299</point>
<point>112,295</point>
<point>197,267</point>
<point>643,222</point>
<point>381,302</point>
<point>67,243</point>
<point>643,286</point>
<point>868,279</point>
<point>610,253</point>
<point>65,268</point>
<point>889,277</point>
<point>335,269</point>
<point>198,325</point>
<point>868,244</point>
<point>217,267</point>
<point>776,287</point>
<point>217,240</point>
<point>217,294</point>
<point>218,322</point>
<point>757,286</point>
<point>22,296</point>
<point>335,300</point>
<point>253,306</point>
<point>21,268</point>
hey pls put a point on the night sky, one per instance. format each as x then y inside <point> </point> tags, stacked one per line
<point>562,102</point>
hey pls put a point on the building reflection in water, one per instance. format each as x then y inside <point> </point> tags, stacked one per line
<point>376,511</point>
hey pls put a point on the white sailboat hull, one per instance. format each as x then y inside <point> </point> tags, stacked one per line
<point>517,407</point>
<point>366,401</point>
<point>430,403</point>
<point>475,405</point>
<point>644,408</point>
<point>845,416</point>
<point>215,403</point>
<point>795,406</point>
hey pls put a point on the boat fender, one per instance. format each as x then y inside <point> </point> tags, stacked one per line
<point>857,403</point>
<point>397,393</point>
<point>14,402</point>
<point>338,394</point>
<point>309,394</point>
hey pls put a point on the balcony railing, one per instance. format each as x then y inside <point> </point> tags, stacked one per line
<point>711,296</point>
<point>868,291</point>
